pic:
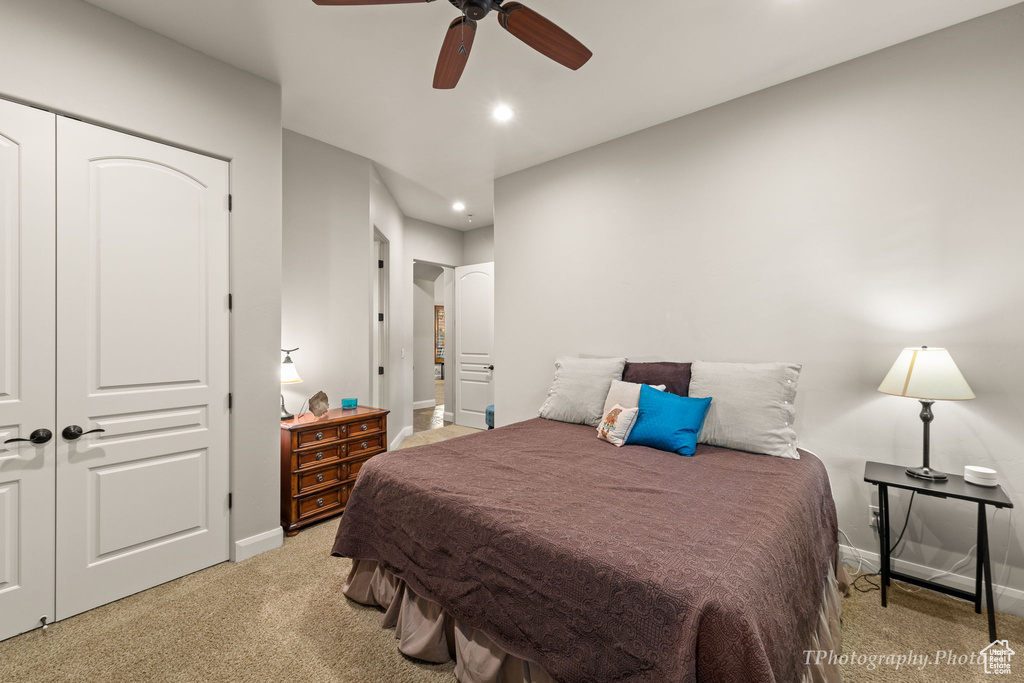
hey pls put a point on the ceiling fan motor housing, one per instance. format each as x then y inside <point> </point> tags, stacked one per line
<point>475,9</point>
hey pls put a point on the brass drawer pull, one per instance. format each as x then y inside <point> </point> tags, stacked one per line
<point>319,502</point>
<point>320,456</point>
<point>319,436</point>
<point>364,427</point>
<point>319,478</point>
<point>344,429</point>
<point>364,445</point>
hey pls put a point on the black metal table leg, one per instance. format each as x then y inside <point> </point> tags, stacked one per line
<point>984,557</point>
<point>979,563</point>
<point>883,504</point>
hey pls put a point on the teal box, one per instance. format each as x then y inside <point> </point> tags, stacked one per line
<point>349,403</point>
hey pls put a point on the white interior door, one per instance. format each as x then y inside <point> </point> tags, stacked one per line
<point>27,235</point>
<point>142,334</point>
<point>474,343</point>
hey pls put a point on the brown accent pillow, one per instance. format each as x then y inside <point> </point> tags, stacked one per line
<point>675,376</point>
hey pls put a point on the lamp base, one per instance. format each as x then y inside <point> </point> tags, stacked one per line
<point>926,473</point>
<point>285,415</point>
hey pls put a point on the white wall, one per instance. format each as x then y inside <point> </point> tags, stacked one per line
<point>478,245</point>
<point>423,356</point>
<point>830,221</point>
<point>326,285</point>
<point>333,202</point>
<point>70,57</point>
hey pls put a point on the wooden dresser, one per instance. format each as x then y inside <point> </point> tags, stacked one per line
<point>321,458</point>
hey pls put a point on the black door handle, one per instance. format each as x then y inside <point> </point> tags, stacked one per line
<point>38,437</point>
<point>74,432</point>
<point>490,367</point>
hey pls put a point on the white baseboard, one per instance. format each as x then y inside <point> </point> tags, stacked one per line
<point>402,436</point>
<point>254,545</point>
<point>449,417</point>
<point>420,405</point>
<point>1009,600</point>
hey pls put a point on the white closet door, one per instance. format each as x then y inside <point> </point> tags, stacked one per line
<point>142,334</point>
<point>474,344</point>
<point>26,366</point>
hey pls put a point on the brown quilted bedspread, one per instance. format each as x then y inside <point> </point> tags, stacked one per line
<point>606,564</point>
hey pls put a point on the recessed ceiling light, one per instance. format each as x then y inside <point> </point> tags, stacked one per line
<point>458,206</point>
<point>503,113</point>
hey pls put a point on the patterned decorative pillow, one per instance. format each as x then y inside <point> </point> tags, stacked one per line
<point>617,424</point>
<point>626,394</point>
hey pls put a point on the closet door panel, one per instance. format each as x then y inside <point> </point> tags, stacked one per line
<point>27,385</point>
<point>142,355</point>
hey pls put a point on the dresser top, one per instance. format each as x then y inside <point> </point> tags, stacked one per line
<point>332,416</point>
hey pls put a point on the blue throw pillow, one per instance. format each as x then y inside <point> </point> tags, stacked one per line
<point>668,422</point>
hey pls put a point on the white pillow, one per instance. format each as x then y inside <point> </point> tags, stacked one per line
<point>752,408</point>
<point>617,424</point>
<point>579,389</point>
<point>626,394</point>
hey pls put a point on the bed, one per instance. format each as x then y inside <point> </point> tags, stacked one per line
<point>535,552</point>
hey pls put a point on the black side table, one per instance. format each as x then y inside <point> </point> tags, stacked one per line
<point>883,476</point>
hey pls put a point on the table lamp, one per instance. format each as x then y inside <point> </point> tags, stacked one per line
<point>928,375</point>
<point>289,375</point>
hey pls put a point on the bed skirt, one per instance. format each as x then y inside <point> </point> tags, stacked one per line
<point>426,632</point>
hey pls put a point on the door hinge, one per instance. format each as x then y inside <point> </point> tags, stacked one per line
<point>231,302</point>
<point>230,401</point>
<point>380,370</point>
<point>380,317</point>
<point>231,203</point>
<point>230,501</point>
<point>380,263</point>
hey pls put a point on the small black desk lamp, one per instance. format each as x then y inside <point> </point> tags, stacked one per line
<point>927,374</point>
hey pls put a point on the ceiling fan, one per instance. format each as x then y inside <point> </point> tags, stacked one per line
<point>521,21</point>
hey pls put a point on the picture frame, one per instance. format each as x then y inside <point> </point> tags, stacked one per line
<point>439,337</point>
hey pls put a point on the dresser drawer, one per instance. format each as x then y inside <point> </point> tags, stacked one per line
<point>353,467</point>
<point>370,425</point>
<point>366,446</point>
<point>315,457</point>
<point>322,434</point>
<point>324,476</point>
<point>324,501</point>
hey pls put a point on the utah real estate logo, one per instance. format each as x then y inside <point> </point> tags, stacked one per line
<point>997,657</point>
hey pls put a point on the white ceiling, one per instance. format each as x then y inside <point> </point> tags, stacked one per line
<point>360,77</point>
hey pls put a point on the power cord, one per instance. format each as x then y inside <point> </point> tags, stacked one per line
<point>867,577</point>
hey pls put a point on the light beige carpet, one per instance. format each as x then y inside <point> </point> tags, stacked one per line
<point>435,435</point>
<point>281,617</point>
<point>926,623</point>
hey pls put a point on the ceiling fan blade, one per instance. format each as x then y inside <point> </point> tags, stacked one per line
<point>543,36</point>
<point>366,2</point>
<point>458,43</point>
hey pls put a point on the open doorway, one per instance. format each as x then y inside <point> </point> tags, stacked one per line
<point>433,294</point>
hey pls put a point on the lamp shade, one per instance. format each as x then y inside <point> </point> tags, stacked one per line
<point>926,373</point>
<point>289,375</point>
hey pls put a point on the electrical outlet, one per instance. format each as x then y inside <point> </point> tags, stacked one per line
<point>873,516</point>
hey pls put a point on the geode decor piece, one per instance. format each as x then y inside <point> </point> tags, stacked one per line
<point>318,404</point>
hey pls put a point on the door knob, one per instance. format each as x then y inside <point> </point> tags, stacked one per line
<point>38,437</point>
<point>490,367</point>
<point>73,432</point>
